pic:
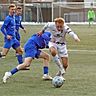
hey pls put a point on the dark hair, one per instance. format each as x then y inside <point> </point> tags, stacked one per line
<point>19,7</point>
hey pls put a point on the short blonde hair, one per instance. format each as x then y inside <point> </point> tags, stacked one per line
<point>12,5</point>
<point>59,20</point>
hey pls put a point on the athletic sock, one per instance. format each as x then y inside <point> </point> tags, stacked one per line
<point>58,63</point>
<point>45,69</point>
<point>13,71</point>
<point>19,58</point>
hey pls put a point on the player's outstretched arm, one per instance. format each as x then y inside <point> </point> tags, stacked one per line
<point>75,37</point>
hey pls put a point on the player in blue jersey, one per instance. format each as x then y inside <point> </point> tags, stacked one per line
<point>32,50</point>
<point>8,30</point>
<point>18,19</point>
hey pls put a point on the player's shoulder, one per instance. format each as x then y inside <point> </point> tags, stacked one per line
<point>7,18</point>
<point>51,24</point>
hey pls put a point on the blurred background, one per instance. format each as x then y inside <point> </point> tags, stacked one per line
<point>47,10</point>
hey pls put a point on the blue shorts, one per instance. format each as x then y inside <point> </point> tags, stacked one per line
<point>31,50</point>
<point>17,34</point>
<point>14,43</point>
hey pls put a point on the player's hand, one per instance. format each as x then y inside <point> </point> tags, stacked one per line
<point>24,30</point>
<point>77,40</point>
<point>9,37</point>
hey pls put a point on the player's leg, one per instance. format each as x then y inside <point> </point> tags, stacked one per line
<point>64,62</point>
<point>27,62</point>
<point>6,47</point>
<point>19,51</point>
<point>45,57</point>
<point>4,52</point>
<point>56,59</point>
<point>63,54</point>
<point>19,57</point>
<point>89,22</point>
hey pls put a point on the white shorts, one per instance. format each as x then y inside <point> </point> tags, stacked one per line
<point>61,49</point>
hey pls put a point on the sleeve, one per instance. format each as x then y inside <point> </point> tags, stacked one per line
<point>45,27</point>
<point>67,29</point>
<point>88,15</point>
<point>73,35</point>
<point>4,26</point>
<point>93,15</point>
<point>21,26</point>
<point>70,32</point>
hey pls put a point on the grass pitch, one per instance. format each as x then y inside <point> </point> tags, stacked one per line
<point>80,75</point>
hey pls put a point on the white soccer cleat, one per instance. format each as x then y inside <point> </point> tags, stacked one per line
<point>62,78</point>
<point>46,77</point>
<point>6,76</point>
<point>60,74</point>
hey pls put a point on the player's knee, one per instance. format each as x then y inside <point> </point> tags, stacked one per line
<point>26,65</point>
<point>53,52</point>
<point>20,51</point>
<point>47,57</point>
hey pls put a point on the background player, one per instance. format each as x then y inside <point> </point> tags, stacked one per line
<point>18,19</point>
<point>91,16</point>
<point>32,51</point>
<point>8,30</point>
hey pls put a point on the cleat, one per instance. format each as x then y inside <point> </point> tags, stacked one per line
<point>46,77</point>
<point>6,76</point>
<point>58,73</point>
<point>61,75</point>
<point>62,78</point>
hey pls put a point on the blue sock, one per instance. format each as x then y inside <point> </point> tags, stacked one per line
<point>45,69</point>
<point>19,58</point>
<point>13,71</point>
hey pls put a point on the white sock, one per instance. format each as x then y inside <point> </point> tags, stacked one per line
<point>60,66</point>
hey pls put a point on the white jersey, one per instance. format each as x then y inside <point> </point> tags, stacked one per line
<point>57,36</point>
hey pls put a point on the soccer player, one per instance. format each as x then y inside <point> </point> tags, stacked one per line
<point>18,19</point>
<point>32,50</point>
<point>8,30</point>
<point>57,44</point>
<point>91,16</point>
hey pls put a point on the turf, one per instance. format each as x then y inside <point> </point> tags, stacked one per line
<point>80,75</point>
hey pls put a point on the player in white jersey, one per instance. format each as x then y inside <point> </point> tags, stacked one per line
<point>57,44</point>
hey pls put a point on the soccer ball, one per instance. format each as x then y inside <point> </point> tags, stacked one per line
<point>57,81</point>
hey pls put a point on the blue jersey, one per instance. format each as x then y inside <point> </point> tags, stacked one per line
<point>18,20</point>
<point>39,41</point>
<point>35,43</point>
<point>8,26</point>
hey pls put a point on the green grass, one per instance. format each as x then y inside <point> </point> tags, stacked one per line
<point>80,75</point>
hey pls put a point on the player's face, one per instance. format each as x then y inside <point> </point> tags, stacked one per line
<point>59,26</point>
<point>12,10</point>
<point>19,11</point>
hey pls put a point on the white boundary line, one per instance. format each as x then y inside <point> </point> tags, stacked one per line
<point>81,50</point>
